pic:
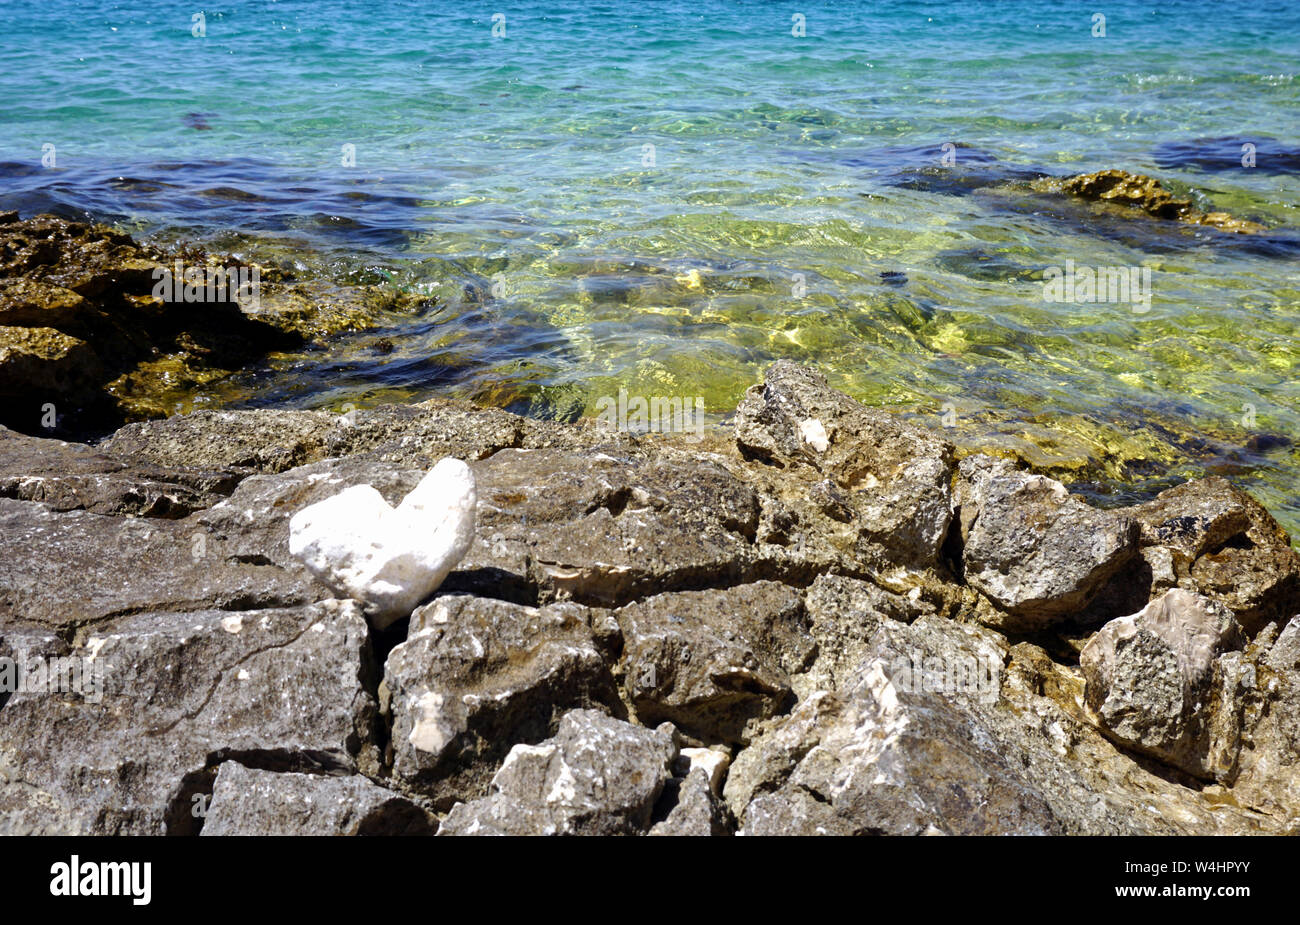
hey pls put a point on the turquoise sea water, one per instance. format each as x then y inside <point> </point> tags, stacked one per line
<point>665,197</point>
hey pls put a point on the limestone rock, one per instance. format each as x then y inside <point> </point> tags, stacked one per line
<point>1037,553</point>
<point>844,615</point>
<point>74,568</point>
<point>1269,762</point>
<point>183,692</point>
<point>711,662</point>
<point>477,675</point>
<point>70,476</point>
<point>697,809</point>
<point>604,528</point>
<point>798,594</point>
<point>263,441</point>
<point>597,776</point>
<point>250,802</point>
<point>893,478</point>
<point>1223,544</point>
<point>881,758</point>
<point>1161,681</point>
<point>914,742</point>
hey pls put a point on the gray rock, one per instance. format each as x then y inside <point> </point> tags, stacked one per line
<point>401,436</point>
<point>551,524</point>
<point>252,525</point>
<point>71,569</point>
<point>68,569</point>
<point>1223,544</point>
<point>844,615</point>
<point>1037,553</point>
<point>71,476</point>
<point>1193,518</point>
<point>797,566</point>
<point>604,530</point>
<point>476,676</point>
<point>713,662</point>
<point>181,693</point>
<point>597,776</point>
<point>21,646</point>
<point>254,441</point>
<point>1158,683</point>
<point>879,757</point>
<point>1283,655</point>
<point>909,744</point>
<point>1268,774</point>
<point>891,481</point>
<point>252,802</point>
<point>696,811</point>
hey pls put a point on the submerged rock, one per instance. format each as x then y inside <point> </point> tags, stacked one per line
<point>1226,153</point>
<point>1145,193</point>
<point>92,326</point>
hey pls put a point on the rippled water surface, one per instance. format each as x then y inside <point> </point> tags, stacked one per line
<point>665,197</point>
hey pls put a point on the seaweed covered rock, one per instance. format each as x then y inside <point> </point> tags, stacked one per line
<point>1139,191</point>
<point>97,329</point>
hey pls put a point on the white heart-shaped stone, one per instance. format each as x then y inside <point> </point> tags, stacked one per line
<point>389,558</point>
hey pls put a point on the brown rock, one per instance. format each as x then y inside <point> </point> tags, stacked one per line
<point>1142,192</point>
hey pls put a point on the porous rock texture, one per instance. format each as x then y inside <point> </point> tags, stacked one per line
<point>822,622</point>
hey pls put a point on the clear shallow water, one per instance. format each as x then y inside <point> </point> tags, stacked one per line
<point>507,177</point>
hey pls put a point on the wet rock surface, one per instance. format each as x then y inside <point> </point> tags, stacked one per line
<point>1138,191</point>
<point>93,333</point>
<point>818,624</point>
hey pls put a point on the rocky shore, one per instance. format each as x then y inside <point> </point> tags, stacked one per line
<point>819,621</point>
